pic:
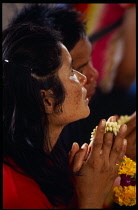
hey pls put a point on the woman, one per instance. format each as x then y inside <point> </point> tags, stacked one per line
<point>42,93</point>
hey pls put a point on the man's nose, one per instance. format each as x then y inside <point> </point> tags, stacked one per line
<point>91,74</point>
<point>82,78</point>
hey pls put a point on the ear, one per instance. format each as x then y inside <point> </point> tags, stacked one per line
<point>47,100</point>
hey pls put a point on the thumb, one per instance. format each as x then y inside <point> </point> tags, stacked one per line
<point>79,158</point>
<point>72,152</point>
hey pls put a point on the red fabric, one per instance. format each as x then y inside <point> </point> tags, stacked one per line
<point>81,7</point>
<point>22,192</point>
<point>107,14</point>
<point>110,14</point>
<point>127,5</point>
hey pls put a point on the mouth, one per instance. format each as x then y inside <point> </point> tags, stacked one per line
<point>86,96</point>
<point>87,100</point>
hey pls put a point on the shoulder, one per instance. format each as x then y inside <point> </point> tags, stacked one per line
<point>22,192</point>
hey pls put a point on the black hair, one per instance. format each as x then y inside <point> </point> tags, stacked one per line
<point>68,21</point>
<point>31,59</point>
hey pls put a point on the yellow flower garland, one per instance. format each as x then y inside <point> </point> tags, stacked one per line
<point>112,126</point>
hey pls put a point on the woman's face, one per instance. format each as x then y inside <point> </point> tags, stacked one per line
<point>75,105</point>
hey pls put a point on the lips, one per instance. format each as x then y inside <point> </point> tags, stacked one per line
<point>85,93</point>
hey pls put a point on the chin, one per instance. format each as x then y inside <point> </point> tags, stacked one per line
<point>86,113</point>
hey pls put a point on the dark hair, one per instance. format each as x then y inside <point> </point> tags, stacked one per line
<point>31,59</point>
<point>65,19</point>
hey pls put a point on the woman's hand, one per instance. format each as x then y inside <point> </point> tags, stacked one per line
<point>96,166</point>
<point>131,137</point>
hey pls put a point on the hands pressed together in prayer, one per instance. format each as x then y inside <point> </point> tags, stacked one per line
<point>97,165</point>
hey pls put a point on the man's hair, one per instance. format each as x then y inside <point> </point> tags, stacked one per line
<point>69,22</point>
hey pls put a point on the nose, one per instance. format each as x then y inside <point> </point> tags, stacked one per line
<point>91,73</point>
<point>81,77</point>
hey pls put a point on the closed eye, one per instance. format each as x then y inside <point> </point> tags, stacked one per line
<point>80,68</point>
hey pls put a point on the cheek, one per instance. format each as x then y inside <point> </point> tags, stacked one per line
<point>75,97</point>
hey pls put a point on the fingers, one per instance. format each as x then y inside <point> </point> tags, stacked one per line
<point>89,150</point>
<point>131,145</point>
<point>77,157</point>
<point>134,114</point>
<point>108,140</point>
<point>131,124</point>
<point>116,117</point>
<point>73,151</point>
<point>122,153</point>
<point>117,147</point>
<point>98,141</point>
<point>131,138</point>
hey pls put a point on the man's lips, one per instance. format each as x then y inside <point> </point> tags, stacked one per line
<point>91,92</point>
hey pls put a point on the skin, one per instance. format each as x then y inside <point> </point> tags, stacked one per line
<point>90,189</point>
<point>81,55</point>
<point>75,105</point>
<point>131,137</point>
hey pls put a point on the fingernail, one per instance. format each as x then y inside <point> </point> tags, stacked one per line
<point>74,143</point>
<point>124,127</point>
<point>103,122</point>
<point>113,119</point>
<point>125,142</point>
<point>84,145</point>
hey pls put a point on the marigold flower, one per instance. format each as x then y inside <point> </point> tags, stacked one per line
<point>127,167</point>
<point>125,195</point>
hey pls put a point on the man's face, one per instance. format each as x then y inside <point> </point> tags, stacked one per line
<point>81,55</point>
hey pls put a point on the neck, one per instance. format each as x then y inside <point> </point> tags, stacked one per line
<point>54,132</point>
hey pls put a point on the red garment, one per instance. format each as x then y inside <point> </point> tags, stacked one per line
<point>22,192</point>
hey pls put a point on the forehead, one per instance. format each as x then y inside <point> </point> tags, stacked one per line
<point>66,57</point>
<point>66,60</point>
<point>82,51</point>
